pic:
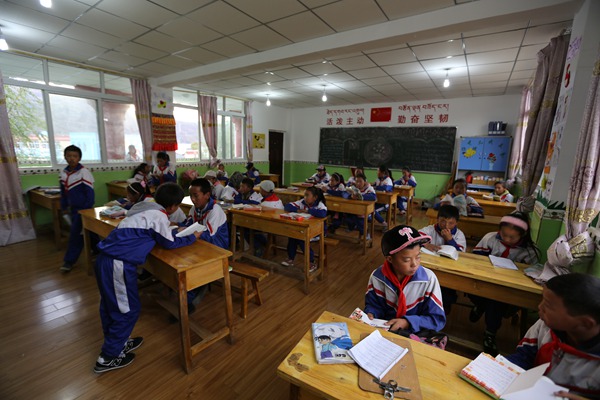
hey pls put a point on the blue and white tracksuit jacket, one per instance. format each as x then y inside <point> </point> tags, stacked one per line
<point>318,209</point>
<point>357,221</point>
<point>338,191</point>
<point>410,181</point>
<point>76,193</point>
<point>320,179</point>
<point>424,308</point>
<point>576,368</point>
<point>121,252</point>
<point>471,202</point>
<point>382,185</point>
<point>458,241</point>
<point>213,217</point>
<point>253,174</point>
<point>168,173</point>
<point>249,198</point>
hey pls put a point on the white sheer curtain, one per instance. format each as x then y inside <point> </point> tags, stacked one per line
<point>248,129</point>
<point>143,113</point>
<point>15,224</point>
<point>516,155</point>
<point>208,116</point>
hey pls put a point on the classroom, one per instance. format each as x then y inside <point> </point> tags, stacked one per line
<point>283,91</point>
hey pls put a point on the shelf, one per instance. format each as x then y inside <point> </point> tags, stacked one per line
<point>473,186</point>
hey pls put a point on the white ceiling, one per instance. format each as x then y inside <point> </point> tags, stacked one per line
<point>360,51</point>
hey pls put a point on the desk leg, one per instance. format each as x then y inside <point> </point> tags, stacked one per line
<point>409,210</point>
<point>186,344</point>
<point>322,255</point>
<point>228,305</point>
<point>87,251</point>
<point>294,392</point>
<point>307,260</point>
<point>389,215</point>
<point>372,230</point>
<point>365,232</point>
<point>233,241</point>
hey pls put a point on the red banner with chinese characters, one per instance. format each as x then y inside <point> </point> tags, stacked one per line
<point>381,114</point>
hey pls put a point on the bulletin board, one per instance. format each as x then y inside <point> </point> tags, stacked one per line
<point>428,149</point>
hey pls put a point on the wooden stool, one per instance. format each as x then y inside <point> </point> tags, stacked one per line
<point>249,274</point>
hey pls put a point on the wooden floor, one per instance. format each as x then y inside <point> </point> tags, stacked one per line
<point>51,335</point>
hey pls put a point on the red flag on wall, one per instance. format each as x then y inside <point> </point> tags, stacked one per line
<point>381,114</point>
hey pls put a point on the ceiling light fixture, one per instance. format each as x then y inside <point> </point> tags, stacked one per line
<point>268,103</point>
<point>324,97</point>
<point>46,3</point>
<point>3,43</point>
<point>447,81</point>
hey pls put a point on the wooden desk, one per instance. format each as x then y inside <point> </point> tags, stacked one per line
<point>302,184</point>
<point>182,270</point>
<point>270,177</point>
<point>357,207</point>
<point>496,208</point>
<point>471,226</point>
<point>408,192</point>
<point>437,370</point>
<point>474,194</point>
<point>117,190</point>
<point>391,200</point>
<point>52,203</point>
<point>289,196</point>
<point>268,220</point>
<point>475,274</point>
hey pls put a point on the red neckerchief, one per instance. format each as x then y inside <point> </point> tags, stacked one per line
<point>389,273</point>
<point>507,247</point>
<point>271,197</point>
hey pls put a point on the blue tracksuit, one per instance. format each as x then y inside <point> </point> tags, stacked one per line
<point>116,269</point>
<point>382,185</point>
<point>318,210</point>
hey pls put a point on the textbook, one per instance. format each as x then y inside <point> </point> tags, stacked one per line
<point>376,354</point>
<point>360,316</point>
<point>114,212</point>
<point>354,191</point>
<point>295,216</point>
<point>502,262</point>
<point>445,250</point>
<point>332,342</point>
<point>501,379</point>
<point>195,227</point>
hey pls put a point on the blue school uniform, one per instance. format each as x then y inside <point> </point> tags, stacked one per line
<point>357,221</point>
<point>410,181</point>
<point>121,252</point>
<point>318,209</point>
<point>168,173</point>
<point>77,193</point>
<point>382,185</point>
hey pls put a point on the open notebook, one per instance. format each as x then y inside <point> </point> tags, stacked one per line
<point>445,250</point>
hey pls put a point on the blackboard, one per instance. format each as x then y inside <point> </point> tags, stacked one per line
<point>420,148</point>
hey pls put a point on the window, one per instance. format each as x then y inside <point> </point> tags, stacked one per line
<point>90,109</point>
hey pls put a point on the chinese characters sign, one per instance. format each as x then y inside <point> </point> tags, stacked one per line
<point>404,114</point>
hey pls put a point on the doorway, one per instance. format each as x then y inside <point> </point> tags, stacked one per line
<point>276,154</point>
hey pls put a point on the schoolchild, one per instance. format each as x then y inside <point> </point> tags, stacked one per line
<point>217,186</point>
<point>141,173</point>
<point>246,193</point>
<point>252,173</point>
<point>459,198</point>
<point>313,204</point>
<point>270,199</point>
<point>121,252</point>
<point>502,192</point>
<point>365,193</point>
<point>164,171</point>
<point>321,176</point>
<point>352,179</point>
<point>76,193</point>
<point>384,183</point>
<point>407,179</point>
<point>336,187</point>
<point>233,184</point>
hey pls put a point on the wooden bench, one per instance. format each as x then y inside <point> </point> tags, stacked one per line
<point>329,242</point>
<point>249,274</point>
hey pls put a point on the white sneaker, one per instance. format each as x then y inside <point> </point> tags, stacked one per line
<point>313,268</point>
<point>315,239</point>
<point>368,236</point>
<point>288,263</point>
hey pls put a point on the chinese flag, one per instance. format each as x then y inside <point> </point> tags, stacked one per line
<point>381,114</point>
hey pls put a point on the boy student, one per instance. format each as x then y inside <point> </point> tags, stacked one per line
<point>402,291</point>
<point>252,173</point>
<point>121,252</point>
<point>567,335</point>
<point>502,192</point>
<point>270,199</point>
<point>233,184</point>
<point>384,183</point>
<point>163,171</point>
<point>321,176</point>
<point>77,193</point>
<point>246,193</point>
<point>459,198</point>
<point>217,186</point>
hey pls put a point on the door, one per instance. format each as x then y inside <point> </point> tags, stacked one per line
<point>276,154</point>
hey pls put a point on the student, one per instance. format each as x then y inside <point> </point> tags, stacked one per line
<point>252,173</point>
<point>446,232</point>
<point>321,176</point>
<point>136,192</point>
<point>221,173</point>
<point>567,335</point>
<point>208,213</point>
<point>246,193</point>
<point>132,154</point>
<point>231,189</point>
<point>163,171</point>
<point>270,199</point>
<point>368,194</point>
<point>467,205</point>
<point>126,247</point>
<point>402,291</point>
<point>76,193</point>
<point>336,187</point>
<point>141,174</point>
<point>502,192</point>
<point>407,179</point>
<point>313,204</point>
<point>384,183</point>
<point>216,185</point>
<point>512,241</point>
<point>352,179</point>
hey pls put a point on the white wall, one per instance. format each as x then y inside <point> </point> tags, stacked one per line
<point>470,115</point>
<point>274,118</point>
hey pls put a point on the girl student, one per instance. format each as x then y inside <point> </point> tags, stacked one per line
<point>364,192</point>
<point>512,241</point>
<point>164,171</point>
<point>141,173</point>
<point>136,192</point>
<point>314,204</point>
<point>407,179</point>
<point>336,187</point>
<point>384,183</point>
<point>352,179</point>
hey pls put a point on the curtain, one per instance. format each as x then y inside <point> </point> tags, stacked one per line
<point>516,154</point>
<point>208,116</point>
<point>575,249</point>
<point>248,129</point>
<point>545,91</point>
<point>143,113</point>
<point>15,224</point>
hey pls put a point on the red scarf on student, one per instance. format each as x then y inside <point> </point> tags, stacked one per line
<point>389,273</point>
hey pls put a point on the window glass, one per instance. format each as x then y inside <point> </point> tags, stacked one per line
<point>117,85</point>
<point>220,103</point>
<point>27,121</point>
<point>123,140</point>
<point>237,130</point>
<point>186,126</point>
<point>69,77</point>
<point>21,68</point>
<point>234,105</point>
<point>185,97</point>
<point>75,121</point>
